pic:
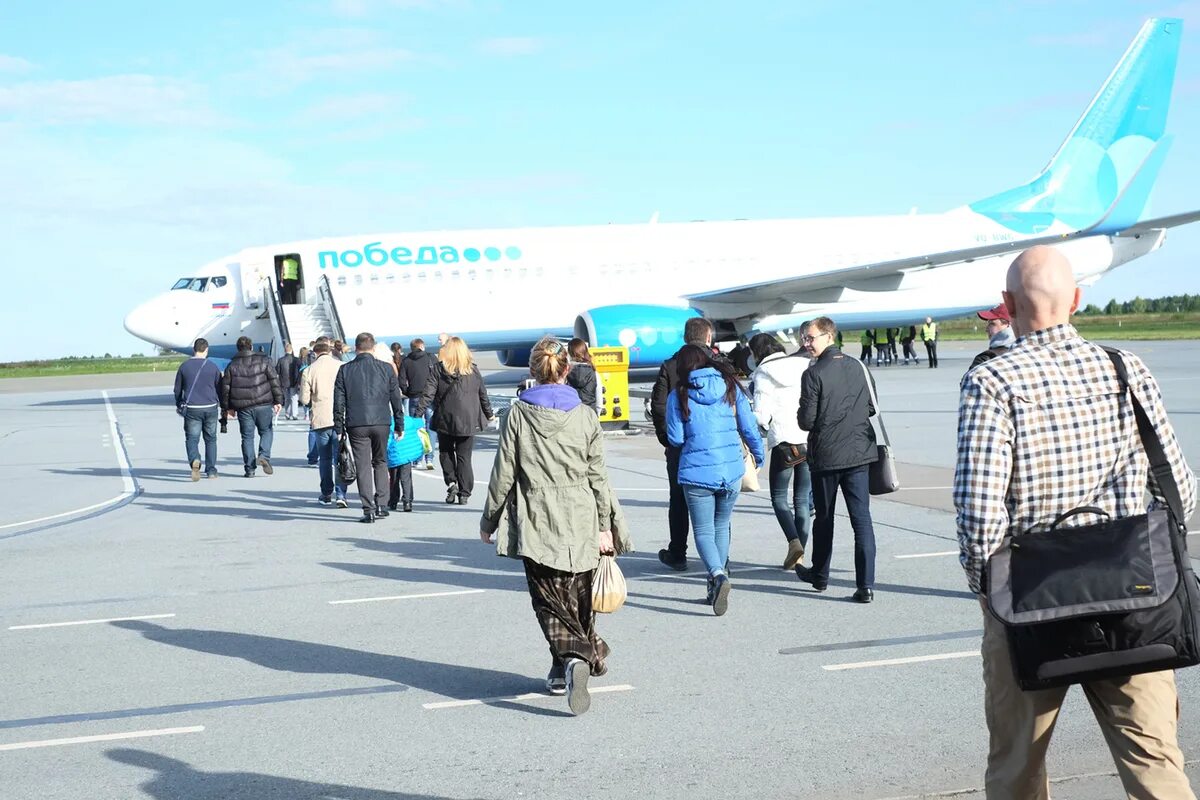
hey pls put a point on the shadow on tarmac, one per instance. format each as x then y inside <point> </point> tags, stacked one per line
<point>177,779</point>
<point>164,398</point>
<point>289,655</point>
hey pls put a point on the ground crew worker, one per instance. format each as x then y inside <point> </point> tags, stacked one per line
<point>929,337</point>
<point>882,352</point>
<point>289,278</point>
<point>866,339</point>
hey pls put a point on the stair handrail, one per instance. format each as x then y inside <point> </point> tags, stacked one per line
<point>271,290</point>
<point>335,320</point>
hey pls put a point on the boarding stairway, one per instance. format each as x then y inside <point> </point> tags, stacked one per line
<point>301,323</point>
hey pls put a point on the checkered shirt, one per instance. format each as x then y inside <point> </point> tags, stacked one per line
<point>1043,429</point>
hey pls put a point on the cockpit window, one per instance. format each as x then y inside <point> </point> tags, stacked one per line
<point>217,282</point>
<point>194,284</point>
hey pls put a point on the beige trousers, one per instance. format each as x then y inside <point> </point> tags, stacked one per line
<point>1137,715</point>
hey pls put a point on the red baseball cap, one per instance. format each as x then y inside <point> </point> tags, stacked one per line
<point>999,312</point>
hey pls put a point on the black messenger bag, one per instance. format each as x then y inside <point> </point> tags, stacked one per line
<point>1106,600</point>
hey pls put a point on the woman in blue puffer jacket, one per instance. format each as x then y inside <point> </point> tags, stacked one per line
<point>708,418</point>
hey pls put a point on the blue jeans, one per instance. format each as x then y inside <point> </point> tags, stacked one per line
<point>262,419</point>
<point>855,488</point>
<point>710,510</point>
<point>313,456</point>
<point>413,402</point>
<point>793,516</point>
<point>196,420</point>
<point>326,445</point>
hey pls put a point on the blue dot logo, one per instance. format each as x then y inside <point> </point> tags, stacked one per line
<point>471,254</point>
<point>513,253</point>
<point>492,253</point>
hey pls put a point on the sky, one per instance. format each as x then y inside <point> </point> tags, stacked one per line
<point>140,139</point>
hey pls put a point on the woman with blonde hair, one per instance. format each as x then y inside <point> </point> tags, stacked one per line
<point>456,392</point>
<point>550,485</point>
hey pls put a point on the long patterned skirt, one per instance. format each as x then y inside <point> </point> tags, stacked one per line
<point>563,604</point>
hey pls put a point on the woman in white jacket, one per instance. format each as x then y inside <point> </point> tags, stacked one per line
<point>776,402</point>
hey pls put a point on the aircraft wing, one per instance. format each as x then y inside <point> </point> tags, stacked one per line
<point>881,274</point>
<point>793,290</point>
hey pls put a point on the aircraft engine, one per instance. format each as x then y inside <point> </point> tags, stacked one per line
<point>517,357</point>
<point>652,333</point>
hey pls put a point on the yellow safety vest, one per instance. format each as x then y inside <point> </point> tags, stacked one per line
<point>880,336</point>
<point>929,332</point>
<point>291,269</point>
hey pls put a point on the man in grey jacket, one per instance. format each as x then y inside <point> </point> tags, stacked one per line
<point>836,406</point>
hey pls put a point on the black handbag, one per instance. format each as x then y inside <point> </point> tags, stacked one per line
<point>1106,600</point>
<point>347,471</point>
<point>793,455</point>
<point>881,473</point>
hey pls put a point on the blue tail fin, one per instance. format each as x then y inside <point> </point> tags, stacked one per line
<point>1102,174</point>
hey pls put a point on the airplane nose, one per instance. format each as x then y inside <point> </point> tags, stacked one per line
<point>140,323</point>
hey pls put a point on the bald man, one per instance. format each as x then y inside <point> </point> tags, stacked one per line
<point>1043,430</point>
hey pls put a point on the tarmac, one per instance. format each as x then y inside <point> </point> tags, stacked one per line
<point>232,639</point>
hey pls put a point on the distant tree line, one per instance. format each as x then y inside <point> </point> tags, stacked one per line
<point>1174,304</point>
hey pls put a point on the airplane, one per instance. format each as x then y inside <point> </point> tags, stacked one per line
<point>637,285</point>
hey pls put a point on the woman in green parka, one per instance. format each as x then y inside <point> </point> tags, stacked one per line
<point>550,487</point>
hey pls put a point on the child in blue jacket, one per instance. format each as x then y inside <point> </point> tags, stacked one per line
<point>709,419</point>
<point>401,455</point>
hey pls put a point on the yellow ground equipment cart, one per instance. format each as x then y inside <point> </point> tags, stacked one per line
<point>612,369</point>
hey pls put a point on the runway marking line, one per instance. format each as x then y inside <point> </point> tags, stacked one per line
<point>405,597</point>
<point>105,737</point>
<point>889,662</point>
<point>87,622</point>
<point>930,555</point>
<point>922,488</point>
<point>128,486</point>
<point>520,698</point>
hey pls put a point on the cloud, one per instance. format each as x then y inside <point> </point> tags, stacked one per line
<point>508,46</point>
<point>362,8</point>
<point>14,64</point>
<point>1092,38</point>
<point>284,66</point>
<point>126,100</point>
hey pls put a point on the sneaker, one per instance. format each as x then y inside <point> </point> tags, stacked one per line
<point>408,505</point>
<point>452,494</point>
<point>265,463</point>
<point>677,563</point>
<point>381,512</point>
<point>211,475</point>
<point>196,470</point>
<point>429,466</point>
<point>720,602</point>
<point>340,502</point>
<point>367,516</point>
<point>578,672</point>
<point>325,501</point>
<point>392,506</point>
<point>556,680</point>
<point>248,474</point>
<point>462,499</point>
<point>795,554</point>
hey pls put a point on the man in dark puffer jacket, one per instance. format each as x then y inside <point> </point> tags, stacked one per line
<point>250,388</point>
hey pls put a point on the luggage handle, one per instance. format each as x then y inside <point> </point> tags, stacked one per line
<point>1081,510</point>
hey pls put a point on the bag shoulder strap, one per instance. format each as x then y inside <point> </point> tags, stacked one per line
<point>874,402</point>
<point>1160,467</point>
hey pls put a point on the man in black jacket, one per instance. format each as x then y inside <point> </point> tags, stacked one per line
<point>414,374</point>
<point>250,388</point>
<point>288,370</point>
<point>362,393</point>
<point>836,406</point>
<point>696,331</point>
